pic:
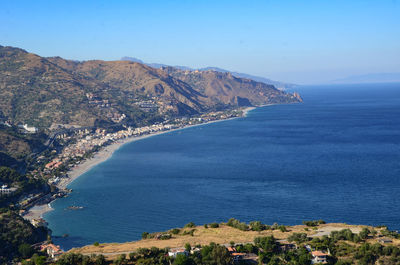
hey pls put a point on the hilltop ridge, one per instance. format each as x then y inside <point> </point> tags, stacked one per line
<point>43,91</point>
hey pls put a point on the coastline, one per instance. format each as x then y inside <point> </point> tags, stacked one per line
<point>105,153</point>
<point>38,211</point>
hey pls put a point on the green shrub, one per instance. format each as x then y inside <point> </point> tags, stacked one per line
<point>314,222</point>
<point>257,226</point>
<point>237,224</point>
<point>214,225</point>
<point>175,231</point>
<point>282,228</point>
<point>145,235</point>
<point>191,224</point>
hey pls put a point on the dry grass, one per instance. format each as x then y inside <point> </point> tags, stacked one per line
<point>203,236</point>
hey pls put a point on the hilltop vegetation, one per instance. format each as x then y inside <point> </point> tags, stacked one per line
<point>16,147</point>
<point>48,91</point>
<point>14,232</point>
<point>255,243</point>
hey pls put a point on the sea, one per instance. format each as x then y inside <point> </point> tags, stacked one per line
<point>334,157</point>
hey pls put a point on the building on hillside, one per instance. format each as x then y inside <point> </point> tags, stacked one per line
<point>235,255</point>
<point>238,256</point>
<point>231,249</point>
<point>5,190</point>
<point>53,164</point>
<point>178,251</point>
<point>29,129</point>
<point>318,257</point>
<point>52,250</point>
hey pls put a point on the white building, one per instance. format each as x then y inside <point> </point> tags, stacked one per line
<point>318,257</point>
<point>4,190</point>
<point>179,251</point>
<point>29,129</point>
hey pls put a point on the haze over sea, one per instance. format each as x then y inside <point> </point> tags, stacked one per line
<point>335,157</point>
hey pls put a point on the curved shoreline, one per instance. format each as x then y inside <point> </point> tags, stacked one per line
<point>38,211</point>
<point>107,152</point>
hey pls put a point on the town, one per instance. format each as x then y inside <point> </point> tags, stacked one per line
<point>75,145</point>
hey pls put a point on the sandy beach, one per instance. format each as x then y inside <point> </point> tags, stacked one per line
<point>39,210</point>
<point>107,152</point>
<point>99,157</point>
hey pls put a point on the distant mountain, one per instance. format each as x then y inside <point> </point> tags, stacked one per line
<point>277,84</point>
<point>225,88</point>
<point>47,92</point>
<point>371,78</point>
<point>154,65</point>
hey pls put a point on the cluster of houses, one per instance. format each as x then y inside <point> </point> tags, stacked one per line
<point>87,140</point>
<point>53,164</point>
<point>317,255</point>
<point>237,256</point>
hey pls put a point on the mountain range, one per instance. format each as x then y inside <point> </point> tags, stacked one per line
<point>277,84</point>
<point>370,78</point>
<point>44,92</point>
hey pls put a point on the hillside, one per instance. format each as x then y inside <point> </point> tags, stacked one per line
<point>138,81</point>
<point>35,91</point>
<point>45,92</point>
<point>225,88</point>
<point>224,234</point>
<point>310,243</point>
<point>277,84</point>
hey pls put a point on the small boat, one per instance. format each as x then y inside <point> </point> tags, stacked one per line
<point>75,207</point>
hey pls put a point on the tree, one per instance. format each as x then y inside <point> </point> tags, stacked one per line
<point>100,260</point>
<point>215,254</point>
<point>121,259</point>
<point>188,247</point>
<point>268,244</point>
<point>257,226</point>
<point>132,256</point>
<point>183,260</point>
<point>25,250</point>
<point>283,228</point>
<point>145,235</point>
<point>191,224</point>
<point>39,260</point>
<point>214,225</point>
<point>364,233</point>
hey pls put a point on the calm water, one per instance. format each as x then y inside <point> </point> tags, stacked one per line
<point>336,157</point>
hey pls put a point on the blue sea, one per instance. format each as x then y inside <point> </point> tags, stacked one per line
<point>334,157</point>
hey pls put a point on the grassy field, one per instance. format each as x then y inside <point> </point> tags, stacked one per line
<point>221,235</point>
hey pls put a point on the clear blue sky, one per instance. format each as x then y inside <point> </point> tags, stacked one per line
<point>297,41</point>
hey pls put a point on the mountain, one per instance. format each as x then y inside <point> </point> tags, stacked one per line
<point>226,89</point>
<point>35,91</point>
<point>47,92</point>
<point>371,78</point>
<point>277,84</point>
<point>154,65</point>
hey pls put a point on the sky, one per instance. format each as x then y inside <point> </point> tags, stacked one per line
<point>303,42</point>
